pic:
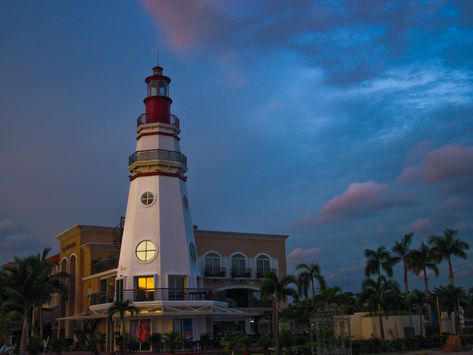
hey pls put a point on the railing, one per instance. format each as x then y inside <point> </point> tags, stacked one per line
<point>157,154</point>
<point>261,273</point>
<point>100,298</point>
<point>211,272</point>
<point>162,294</point>
<point>241,273</point>
<point>103,265</point>
<point>145,118</point>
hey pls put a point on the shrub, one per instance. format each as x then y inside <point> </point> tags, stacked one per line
<point>34,346</point>
<point>57,345</point>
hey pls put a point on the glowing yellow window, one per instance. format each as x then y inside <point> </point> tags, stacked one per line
<point>145,282</point>
<point>146,251</point>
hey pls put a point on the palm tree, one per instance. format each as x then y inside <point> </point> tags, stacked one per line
<point>277,290</point>
<point>379,295</point>
<point>122,307</point>
<point>446,246</point>
<point>422,260</point>
<point>331,295</point>
<point>29,283</point>
<point>377,260</point>
<point>401,251</point>
<point>309,274</point>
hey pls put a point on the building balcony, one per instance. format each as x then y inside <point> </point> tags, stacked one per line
<point>261,273</point>
<point>241,273</point>
<point>157,154</point>
<point>215,273</point>
<point>161,294</point>
<point>145,119</point>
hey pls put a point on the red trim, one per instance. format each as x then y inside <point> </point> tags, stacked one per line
<point>158,133</point>
<point>53,259</point>
<point>154,173</point>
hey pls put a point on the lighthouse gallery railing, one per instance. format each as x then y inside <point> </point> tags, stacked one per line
<point>157,154</point>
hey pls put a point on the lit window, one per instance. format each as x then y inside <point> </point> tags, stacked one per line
<point>145,282</point>
<point>146,251</point>
<point>147,198</point>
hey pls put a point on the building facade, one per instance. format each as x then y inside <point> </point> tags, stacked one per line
<point>180,277</point>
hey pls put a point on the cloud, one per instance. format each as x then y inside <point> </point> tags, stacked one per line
<point>322,34</point>
<point>357,200</point>
<point>299,255</point>
<point>6,223</point>
<point>419,225</point>
<point>445,163</point>
<point>346,270</point>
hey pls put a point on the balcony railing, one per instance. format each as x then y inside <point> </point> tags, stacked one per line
<point>215,272</point>
<point>103,265</point>
<point>161,294</point>
<point>145,118</point>
<point>157,154</point>
<point>261,273</point>
<point>241,273</point>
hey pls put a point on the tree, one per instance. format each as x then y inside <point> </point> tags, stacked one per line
<point>446,246</point>
<point>277,290</point>
<point>421,260</point>
<point>401,251</point>
<point>172,341</point>
<point>309,274</point>
<point>377,260</point>
<point>29,283</point>
<point>379,294</point>
<point>122,307</point>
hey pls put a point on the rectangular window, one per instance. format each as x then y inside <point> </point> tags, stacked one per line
<point>144,288</point>
<point>140,331</point>
<point>176,287</point>
<point>184,326</point>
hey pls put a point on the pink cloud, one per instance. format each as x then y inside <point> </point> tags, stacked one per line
<point>357,199</point>
<point>419,225</point>
<point>299,255</point>
<point>346,270</point>
<point>188,24</point>
<point>444,163</point>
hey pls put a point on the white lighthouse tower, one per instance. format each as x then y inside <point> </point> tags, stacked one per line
<point>158,254</point>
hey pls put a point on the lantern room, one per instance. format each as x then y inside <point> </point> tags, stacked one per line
<point>157,101</point>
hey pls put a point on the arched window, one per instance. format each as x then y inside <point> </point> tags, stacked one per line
<point>263,265</point>
<point>239,266</point>
<point>213,265</point>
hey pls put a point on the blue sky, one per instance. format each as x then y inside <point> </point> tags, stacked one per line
<point>343,124</point>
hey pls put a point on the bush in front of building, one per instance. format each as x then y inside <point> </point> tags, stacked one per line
<point>34,345</point>
<point>57,345</point>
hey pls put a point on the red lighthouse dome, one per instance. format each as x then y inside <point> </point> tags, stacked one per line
<point>157,101</point>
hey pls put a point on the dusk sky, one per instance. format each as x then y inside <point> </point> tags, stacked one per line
<point>344,124</point>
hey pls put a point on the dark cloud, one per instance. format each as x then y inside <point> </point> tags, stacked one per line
<point>349,40</point>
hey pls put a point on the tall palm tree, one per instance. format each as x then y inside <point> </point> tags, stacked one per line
<point>122,307</point>
<point>277,290</point>
<point>377,260</point>
<point>446,246</point>
<point>29,283</point>
<point>421,260</point>
<point>310,273</point>
<point>401,251</point>
<point>379,293</point>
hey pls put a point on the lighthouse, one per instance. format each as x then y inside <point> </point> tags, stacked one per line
<point>158,258</point>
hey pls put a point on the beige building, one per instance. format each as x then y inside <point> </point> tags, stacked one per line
<point>232,266</point>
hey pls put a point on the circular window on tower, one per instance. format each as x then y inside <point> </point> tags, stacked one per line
<point>147,198</point>
<point>185,202</point>
<point>146,251</point>
<point>192,252</point>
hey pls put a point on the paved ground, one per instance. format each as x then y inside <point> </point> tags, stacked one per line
<point>432,352</point>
